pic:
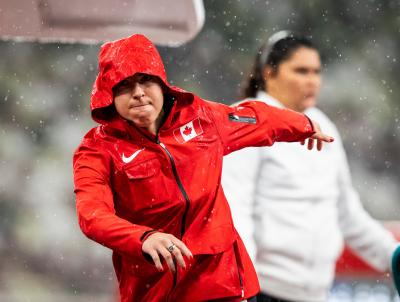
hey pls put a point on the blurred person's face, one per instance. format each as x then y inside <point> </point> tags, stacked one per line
<point>140,99</point>
<point>297,80</point>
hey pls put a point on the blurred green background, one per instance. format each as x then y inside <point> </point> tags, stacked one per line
<point>44,99</point>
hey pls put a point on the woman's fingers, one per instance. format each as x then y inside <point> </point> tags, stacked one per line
<point>310,144</point>
<point>319,145</point>
<point>319,135</point>
<point>156,259</point>
<point>168,247</point>
<point>323,137</point>
<point>179,250</point>
<point>168,257</point>
<point>183,248</point>
<point>178,256</point>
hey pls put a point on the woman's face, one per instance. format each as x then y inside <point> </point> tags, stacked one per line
<point>140,99</point>
<point>297,81</point>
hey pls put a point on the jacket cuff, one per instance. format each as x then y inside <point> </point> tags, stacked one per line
<point>311,123</point>
<point>147,234</point>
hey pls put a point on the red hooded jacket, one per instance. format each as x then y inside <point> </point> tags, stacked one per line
<point>128,182</point>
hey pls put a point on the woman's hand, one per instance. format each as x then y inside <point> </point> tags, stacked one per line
<point>318,136</point>
<point>169,247</point>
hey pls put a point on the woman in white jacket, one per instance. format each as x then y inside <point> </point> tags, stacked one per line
<point>294,209</point>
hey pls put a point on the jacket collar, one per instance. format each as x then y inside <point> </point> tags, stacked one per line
<point>269,100</point>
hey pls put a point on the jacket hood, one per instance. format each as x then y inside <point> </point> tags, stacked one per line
<point>118,60</point>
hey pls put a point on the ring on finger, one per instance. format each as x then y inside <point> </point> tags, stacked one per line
<point>171,248</point>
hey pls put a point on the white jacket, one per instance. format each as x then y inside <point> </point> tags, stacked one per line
<point>293,208</point>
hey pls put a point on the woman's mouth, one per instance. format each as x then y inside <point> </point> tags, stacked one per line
<point>309,95</point>
<point>138,106</point>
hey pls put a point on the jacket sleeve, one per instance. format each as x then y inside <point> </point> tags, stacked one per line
<point>95,205</point>
<point>254,123</point>
<point>364,235</point>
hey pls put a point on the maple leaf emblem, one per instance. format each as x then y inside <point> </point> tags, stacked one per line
<point>187,130</point>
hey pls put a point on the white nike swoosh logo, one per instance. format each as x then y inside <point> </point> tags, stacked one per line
<point>130,158</point>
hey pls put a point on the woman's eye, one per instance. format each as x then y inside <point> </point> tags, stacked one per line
<point>301,70</point>
<point>146,78</point>
<point>122,89</point>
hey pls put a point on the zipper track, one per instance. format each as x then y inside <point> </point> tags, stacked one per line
<point>180,185</point>
<point>182,189</point>
<point>238,268</point>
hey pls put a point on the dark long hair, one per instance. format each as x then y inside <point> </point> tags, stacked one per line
<point>276,50</point>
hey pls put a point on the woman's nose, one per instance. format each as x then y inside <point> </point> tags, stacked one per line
<point>138,92</point>
<point>314,80</point>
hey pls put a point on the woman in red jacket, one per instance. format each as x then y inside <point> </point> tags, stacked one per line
<point>147,179</point>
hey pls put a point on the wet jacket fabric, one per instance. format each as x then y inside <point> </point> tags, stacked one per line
<point>129,182</point>
<point>294,209</point>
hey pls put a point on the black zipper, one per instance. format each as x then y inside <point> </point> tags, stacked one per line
<point>241,284</point>
<point>177,179</point>
<point>182,189</point>
<point>238,268</point>
<point>180,185</point>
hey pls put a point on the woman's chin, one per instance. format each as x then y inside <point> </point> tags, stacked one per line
<point>308,103</point>
<point>143,122</point>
